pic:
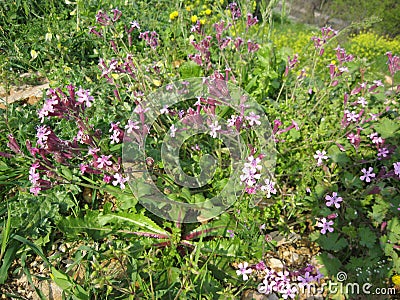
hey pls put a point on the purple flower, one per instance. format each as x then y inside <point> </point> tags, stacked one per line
<point>367,175</point>
<point>250,173</point>
<point>151,38</point>
<point>134,24</point>
<point>107,178</point>
<point>33,176</point>
<point>304,281</point>
<point>251,20</point>
<point>231,233</point>
<point>252,47</point>
<point>196,58</point>
<point>243,270</point>
<point>382,152</point>
<point>325,225</point>
<point>333,200</point>
<point>93,151</point>
<point>35,190</point>
<point>13,144</point>
<point>116,14</point>
<point>393,63</point>
<point>102,18</point>
<point>238,42</point>
<point>115,139</point>
<point>235,10</point>
<point>351,116</point>
<point>291,64</point>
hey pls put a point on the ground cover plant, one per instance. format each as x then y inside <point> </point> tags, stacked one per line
<point>169,151</point>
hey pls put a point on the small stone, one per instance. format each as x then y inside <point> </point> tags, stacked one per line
<point>275,263</point>
<point>253,295</point>
<point>273,296</point>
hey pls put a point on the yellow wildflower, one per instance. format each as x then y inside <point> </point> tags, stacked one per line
<point>202,21</point>
<point>208,11</point>
<point>188,8</point>
<point>173,15</point>
<point>194,19</point>
<point>396,280</point>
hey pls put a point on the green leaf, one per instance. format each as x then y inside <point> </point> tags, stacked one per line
<point>379,210</point>
<point>8,258</point>
<point>66,283</point>
<point>136,219</point>
<point>387,128</point>
<point>332,242</point>
<point>251,83</point>
<point>66,172</point>
<point>338,156</point>
<point>331,264</point>
<point>126,200</point>
<point>367,237</point>
<point>189,69</point>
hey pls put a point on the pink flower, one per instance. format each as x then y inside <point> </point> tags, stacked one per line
<point>164,110</point>
<point>362,101</point>
<point>252,47</point>
<point>214,127</point>
<point>104,161</point>
<point>382,152</point>
<point>93,151</point>
<point>375,138</point>
<point>84,96</point>
<point>251,20</point>
<point>42,135</point>
<point>119,180</point>
<point>396,167</point>
<point>243,270</point>
<point>235,10</point>
<point>173,130</point>
<point>320,156</point>
<point>367,174</point>
<point>35,190</point>
<point>268,187</point>
<point>333,200</point>
<point>325,225</point>
<point>107,178</point>
<point>253,119</point>
<point>131,126</point>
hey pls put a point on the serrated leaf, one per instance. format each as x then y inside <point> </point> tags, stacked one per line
<point>136,219</point>
<point>367,237</point>
<point>332,242</point>
<point>387,128</point>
